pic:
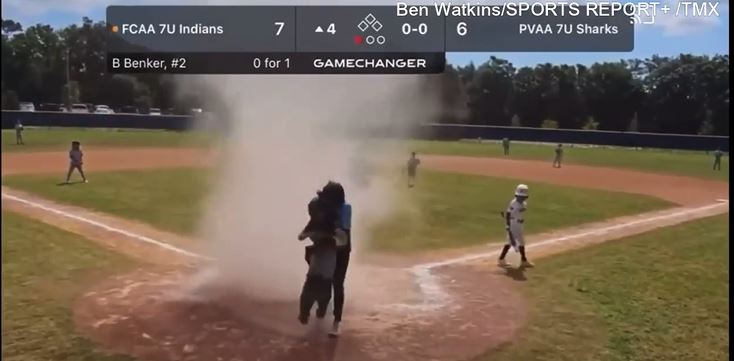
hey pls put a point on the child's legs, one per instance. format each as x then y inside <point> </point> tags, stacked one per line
<point>68,174</point>
<point>323,296</point>
<point>520,242</point>
<point>309,294</point>
<point>81,172</point>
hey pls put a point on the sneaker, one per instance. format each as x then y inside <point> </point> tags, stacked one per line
<point>527,264</point>
<point>502,263</point>
<point>86,181</point>
<point>303,318</point>
<point>334,329</point>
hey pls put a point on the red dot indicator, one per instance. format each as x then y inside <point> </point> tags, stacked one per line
<point>358,39</point>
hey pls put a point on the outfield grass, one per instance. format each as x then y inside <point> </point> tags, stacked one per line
<point>169,199</point>
<point>455,210</point>
<point>43,270</point>
<point>688,163</point>
<point>663,295</point>
<point>445,210</point>
<point>41,139</point>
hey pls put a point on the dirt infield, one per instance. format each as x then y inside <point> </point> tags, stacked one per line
<point>680,190</point>
<point>97,160</point>
<point>141,314</point>
<point>145,314</point>
<point>677,189</point>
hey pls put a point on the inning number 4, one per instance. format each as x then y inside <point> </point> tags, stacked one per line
<point>279,25</point>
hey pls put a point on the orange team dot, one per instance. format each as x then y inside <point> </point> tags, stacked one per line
<point>115,28</point>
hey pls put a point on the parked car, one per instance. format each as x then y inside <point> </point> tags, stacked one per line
<point>79,108</point>
<point>129,109</point>
<point>103,109</point>
<point>49,107</point>
<point>154,111</point>
<point>26,107</point>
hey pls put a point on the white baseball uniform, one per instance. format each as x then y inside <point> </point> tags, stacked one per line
<point>516,210</point>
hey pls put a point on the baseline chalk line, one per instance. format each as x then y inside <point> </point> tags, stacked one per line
<point>433,294</point>
<point>436,297</point>
<point>141,238</point>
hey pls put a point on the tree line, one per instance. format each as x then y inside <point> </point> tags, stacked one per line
<point>686,94</point>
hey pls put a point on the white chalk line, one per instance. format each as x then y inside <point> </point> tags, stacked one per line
<point>141,238</point>
<point>433,294</point>
<point>435,297</point>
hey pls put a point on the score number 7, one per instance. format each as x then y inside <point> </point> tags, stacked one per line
<point>279,25</point>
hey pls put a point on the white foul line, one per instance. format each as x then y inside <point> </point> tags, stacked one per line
<point>474,257</point>
<point>433,294</point>
<point>164,245</point>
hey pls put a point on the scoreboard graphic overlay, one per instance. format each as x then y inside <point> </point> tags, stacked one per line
<point>401,39</point>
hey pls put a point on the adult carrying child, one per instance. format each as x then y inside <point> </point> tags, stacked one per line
<point>324,232</point>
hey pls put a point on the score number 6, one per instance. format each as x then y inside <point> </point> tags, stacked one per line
<point>461,28</point>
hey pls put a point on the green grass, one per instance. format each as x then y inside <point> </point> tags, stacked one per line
<point>454,210</point>
<point>43,270</point>
<point>687,163</point>
<point>168,199</point>
<point>445,210</point>
<point>663,295</point>
<point>43,139</point>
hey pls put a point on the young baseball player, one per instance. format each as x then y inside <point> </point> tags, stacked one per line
<point>717,159</point>
<point>506,145</point>
<point>514,219</point>
<point>76,162</point>
<point>559,156</point>
<point>18,133</point>
<point>413,164</point>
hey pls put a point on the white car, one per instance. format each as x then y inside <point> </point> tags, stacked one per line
<point>196,110</point>
<point>79,108</point>
<point>154,111</point>
<point>103,109</point>
<point>27,107</point>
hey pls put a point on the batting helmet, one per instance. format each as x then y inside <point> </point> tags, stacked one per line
<point>521,190</point>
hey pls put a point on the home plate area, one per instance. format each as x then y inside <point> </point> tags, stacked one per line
<point>145,314</point>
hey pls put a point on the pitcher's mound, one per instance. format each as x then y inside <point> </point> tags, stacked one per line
<point>145,315</point>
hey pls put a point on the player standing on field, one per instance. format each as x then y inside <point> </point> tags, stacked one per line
<point>559,156</point>
<point>75,158</point>
<point>506,146</point>
<point>413,163</point>
<point>514,220</point>
<point>18,133</point>
<point>717,159</point>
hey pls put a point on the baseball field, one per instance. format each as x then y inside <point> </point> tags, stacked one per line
<point>631,252</point>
